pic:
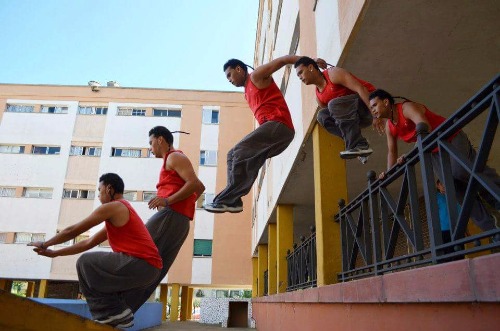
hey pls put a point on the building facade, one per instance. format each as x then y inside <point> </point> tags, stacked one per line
<point>55,142</point>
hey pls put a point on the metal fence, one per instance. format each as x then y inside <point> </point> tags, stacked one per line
<point>378,220</point>
<point>302,263</point>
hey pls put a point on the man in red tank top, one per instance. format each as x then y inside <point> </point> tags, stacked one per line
<point>402,119</point>
<point>178,188</point>
<point>105,277</point>
<point>271,138</point>
<point>344,102</point>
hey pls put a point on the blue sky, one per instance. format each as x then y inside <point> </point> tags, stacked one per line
<point>138,43</point>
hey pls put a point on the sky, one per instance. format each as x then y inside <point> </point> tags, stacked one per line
<point>178,44</point>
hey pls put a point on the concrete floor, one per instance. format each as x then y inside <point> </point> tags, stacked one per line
<point>190,325</point>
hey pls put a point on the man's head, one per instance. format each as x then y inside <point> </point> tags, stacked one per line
<point>236,72</point>
<point>381,103</point>
<point>160,140</point>
<point>440,187</point>
<point>307,70</point>
<point>110,184</point>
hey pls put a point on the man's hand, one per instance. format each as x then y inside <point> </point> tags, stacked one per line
<point>401,159</point>
<point>157,202</point>
<point>321,63</point>
<point>40,249</point>
<point>382,175</point>
<point>379,126</point>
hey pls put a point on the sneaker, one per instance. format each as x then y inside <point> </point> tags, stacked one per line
<point>216,207</point>
<point>359,150</point>
<point>125,317</point>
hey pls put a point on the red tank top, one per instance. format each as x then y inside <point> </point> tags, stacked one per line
<point>268,104</point>
<point>133,239</point>
<point>332,91</point>
<point>169,183</point>
<point>405,128</point>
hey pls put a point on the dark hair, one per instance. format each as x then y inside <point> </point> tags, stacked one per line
<point>114,180</point>
<point>233,63</point>
<point>381,94</point>
<point>161,131</point>
<point>305,61</point>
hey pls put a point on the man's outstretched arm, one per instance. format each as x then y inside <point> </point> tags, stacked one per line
<point>261,76</point>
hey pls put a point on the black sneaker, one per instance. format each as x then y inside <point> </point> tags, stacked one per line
<point>125,319</point>
<point>359,150</point>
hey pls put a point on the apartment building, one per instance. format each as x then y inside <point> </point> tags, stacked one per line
<point>55,142</point>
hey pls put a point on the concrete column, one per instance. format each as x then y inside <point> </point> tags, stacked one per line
<point>174,302</point>
<point>190,304</point>
<point>30,291</point>
<point>271,256</point>
<point>284,242</point>
<point>255,276</point>
<point>6,285</point>
<point>184,303</point>
<point>164,301</point>
<point>42,290</point>
<point>262,252</point>
<point>329,186</point>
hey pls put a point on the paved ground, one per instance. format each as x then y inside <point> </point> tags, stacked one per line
<point>185,326</point>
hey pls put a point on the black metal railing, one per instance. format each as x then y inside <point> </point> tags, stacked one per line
<point>266,282</point>
<point>382,233</point>
<point>302,263</point>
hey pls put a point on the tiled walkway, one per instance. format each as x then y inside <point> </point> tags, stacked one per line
<point>187,326</point>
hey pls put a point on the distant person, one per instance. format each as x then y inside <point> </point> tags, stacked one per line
<point>402,119</point>
<point>344,101</point>
<point>271,138</point>
<point>178,189</point>
<point>105,277</point>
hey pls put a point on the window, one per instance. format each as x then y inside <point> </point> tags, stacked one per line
<point>7,192</point>
<point>125,152</point>
<point>85,150</point>
<point>37,192</point>
<point>202,247</point>
<point>87,110</point>
<point>166,113</point>
<point>205,198</point>
<point>130,195</point>
<point>146,196</point>
<point>210,116</point>
<point>46,150</point>
<point>55,109</point>
<point>20,108</point>
<point>78,194</point>
<point>11,149</point>
<point>81,237</point>
<point>3,237</point>
<point>131,112</point>
<point>27,237</point>
<point>208,158</point>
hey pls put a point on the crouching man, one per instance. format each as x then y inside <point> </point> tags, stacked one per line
<point>105,277</point>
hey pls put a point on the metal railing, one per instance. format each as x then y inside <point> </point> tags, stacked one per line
<point>302,263</point>
<point>381,233</point>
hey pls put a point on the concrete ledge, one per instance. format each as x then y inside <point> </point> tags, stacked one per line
<point>147,316</point>
<point>469,280</point>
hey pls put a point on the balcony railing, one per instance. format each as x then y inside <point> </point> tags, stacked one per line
<point>384,231</point>
<point>302,264</point>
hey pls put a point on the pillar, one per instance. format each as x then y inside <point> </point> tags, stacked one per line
<point>190,303</point>
<point>330,185</point>
<point>42,290</point>
<point>271,257</point>
<point>255,276</point>
<point>284,242</point>
<point>30,291</point>
<point>262,252</point>
<point>184,303</point>
<point>164,301</point>
<point>174,302</point>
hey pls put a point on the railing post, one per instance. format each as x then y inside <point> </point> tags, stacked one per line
<point>429,186</point>
<point>374,218</point>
